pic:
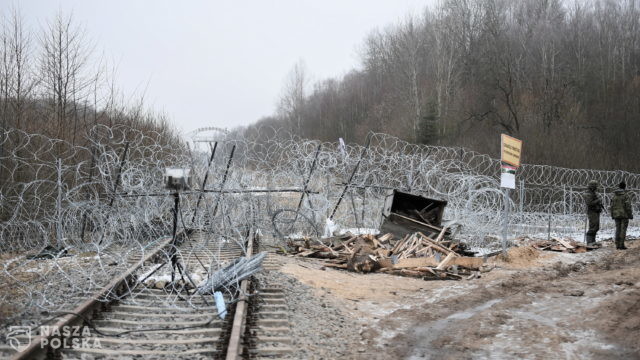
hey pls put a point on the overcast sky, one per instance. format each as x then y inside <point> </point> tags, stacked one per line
<point>222,63</point>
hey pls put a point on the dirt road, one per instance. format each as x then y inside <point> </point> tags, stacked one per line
<point>536,305</point>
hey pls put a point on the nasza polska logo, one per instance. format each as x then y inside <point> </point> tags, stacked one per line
<point>19,337</point>
<point>56,337</point>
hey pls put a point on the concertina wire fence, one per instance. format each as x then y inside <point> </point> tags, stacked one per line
<point>106,198</point>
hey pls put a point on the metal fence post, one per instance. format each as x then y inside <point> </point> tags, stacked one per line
<point>505,221</point>
<point>564,199</point>
<point>549,221</point>
<point>570,194</point>
<point>59,204</point>
<point>521,197</point>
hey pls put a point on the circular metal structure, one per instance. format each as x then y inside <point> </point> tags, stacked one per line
<point>208,134</point>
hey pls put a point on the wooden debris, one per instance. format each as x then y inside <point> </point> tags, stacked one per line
<point>362,263</point>
<point>565,243</point>
<point>385,238</point>
<point>337,266</point>
<point>415,262</point>
<point>445,262</point>
<point>415,255</point>
<point>562,245</point>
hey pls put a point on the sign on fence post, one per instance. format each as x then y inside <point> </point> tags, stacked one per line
<point>510,151</point>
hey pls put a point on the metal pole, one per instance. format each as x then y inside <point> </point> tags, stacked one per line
<point>306,182</point>
<point>570,195</point>
<point>521,210</point>
<point>204,182</point>
<point>604,199</point>
<point>123,160</point>
<point>410,175</point>
<point>355,170</point>
<point>88,197</point>
<point>174,258</point>
<point>364,204</point>
<point>505,222</point>
<point>549,222</point>
<point>355,211</point>
<point>521,196</point>
<point>59,204</point>
<point>224,180</point>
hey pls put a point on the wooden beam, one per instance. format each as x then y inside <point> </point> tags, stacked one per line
<point>445,262</point>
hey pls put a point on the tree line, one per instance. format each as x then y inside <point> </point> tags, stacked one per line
<point>52,83</point>
<point>564,76</point>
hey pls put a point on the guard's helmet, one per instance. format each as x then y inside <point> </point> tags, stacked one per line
<point>592,185</point>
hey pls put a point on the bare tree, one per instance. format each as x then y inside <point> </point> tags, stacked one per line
<point>293,96</point>
<point>23,81</point>
<point>6,70</point>
<point>63,68</point>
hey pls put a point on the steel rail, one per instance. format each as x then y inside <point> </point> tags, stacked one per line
<point>39,347</point>
<point>234,347</point>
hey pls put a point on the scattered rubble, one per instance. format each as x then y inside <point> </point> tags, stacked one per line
<point>415,255</point>
<point>414,244</point>
<point>563,245</point>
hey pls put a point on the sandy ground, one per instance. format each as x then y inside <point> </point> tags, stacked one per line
<point>534,305</point>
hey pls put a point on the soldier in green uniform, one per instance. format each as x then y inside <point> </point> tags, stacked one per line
<point>621,213</point>
<point>594,208</point>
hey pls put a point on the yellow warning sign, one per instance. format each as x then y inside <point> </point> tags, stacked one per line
<point>511,150</point>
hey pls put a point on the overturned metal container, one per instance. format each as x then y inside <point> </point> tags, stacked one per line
<point>406,213</point>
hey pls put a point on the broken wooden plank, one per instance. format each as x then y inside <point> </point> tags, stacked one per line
<point>326,255</point>
<point>385,263</point>
<point>427,270</point>
<point>424,250</point>
<point>307,253</point>
<point>337,266</point>
<point>472,263</point>
<point>383,253</point>
<point>441,235</point>
<point>446,261</point>
<point>415,262</point>
<point>385,238</point>
<point>435,245</point>
<point>565,243</point>
<point>432,227</point>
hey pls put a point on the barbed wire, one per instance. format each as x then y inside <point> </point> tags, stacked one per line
<point>103,200</point>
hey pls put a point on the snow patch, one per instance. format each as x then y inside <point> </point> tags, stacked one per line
<point>359,231</point>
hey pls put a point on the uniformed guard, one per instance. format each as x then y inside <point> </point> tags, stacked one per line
<point>621,213</point>
<point>594,208</point>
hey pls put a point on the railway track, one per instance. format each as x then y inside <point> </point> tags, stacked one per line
<point>267,325</point>
<point>152,321</point>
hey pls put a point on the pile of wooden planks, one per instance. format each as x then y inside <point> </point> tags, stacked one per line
<point>563,245</point>
<point>415,255</point>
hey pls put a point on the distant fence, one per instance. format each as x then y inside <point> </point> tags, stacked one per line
<point>110,188</point>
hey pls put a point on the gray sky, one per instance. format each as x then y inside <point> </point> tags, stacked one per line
<point>222,63</point>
